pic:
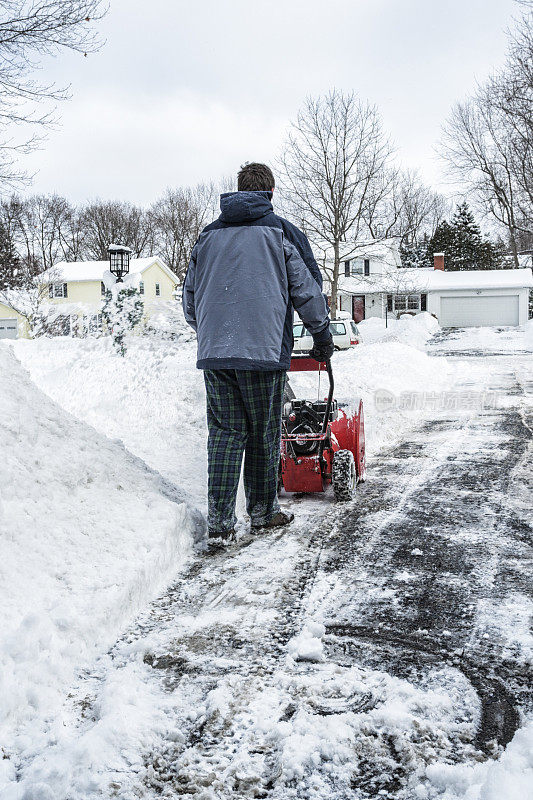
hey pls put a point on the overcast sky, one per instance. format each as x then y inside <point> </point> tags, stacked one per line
<point>183,92</point>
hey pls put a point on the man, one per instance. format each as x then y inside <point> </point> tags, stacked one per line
<point>247,271</point>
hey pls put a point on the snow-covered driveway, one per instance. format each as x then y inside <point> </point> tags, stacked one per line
<point>378,651</point>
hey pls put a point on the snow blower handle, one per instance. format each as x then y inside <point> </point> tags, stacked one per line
<point>330,397</point>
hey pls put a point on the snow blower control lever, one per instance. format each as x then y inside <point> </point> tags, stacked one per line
<point>329,403</point>
<point>320,443</point>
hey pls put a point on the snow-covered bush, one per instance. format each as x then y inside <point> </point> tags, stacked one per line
<point>122,311</point>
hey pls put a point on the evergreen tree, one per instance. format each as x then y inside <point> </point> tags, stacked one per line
<point>415,256</point>
<point>462,244</point>
<point>466,239</point>
<point>442,241</point>
<point>10,272</point>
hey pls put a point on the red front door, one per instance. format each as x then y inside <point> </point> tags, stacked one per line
<point>358,307</point>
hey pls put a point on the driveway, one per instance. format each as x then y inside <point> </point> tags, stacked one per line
<point>368,652</point>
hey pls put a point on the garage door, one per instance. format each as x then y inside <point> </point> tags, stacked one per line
<point>8,328</point>
<point>468,311</point>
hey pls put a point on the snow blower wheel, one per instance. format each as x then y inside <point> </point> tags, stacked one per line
<point>343,475</point>
<point>320,442</point>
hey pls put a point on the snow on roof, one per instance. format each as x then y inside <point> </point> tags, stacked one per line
<point>386,250</point>
<point>405,280</point>
<point>94,270</point>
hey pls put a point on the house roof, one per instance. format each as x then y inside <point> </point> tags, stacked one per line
<point>95,270</point>
<point>429,280</point>
<point>384,250</point>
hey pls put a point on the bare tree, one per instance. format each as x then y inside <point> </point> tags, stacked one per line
<point>417,210</point>
<point>511,93</point>
<point>333,172</point>
<point>114,221</point>
<point>30,30</point>
<point>478,154</point>
<point>488,141</point>
<point>177,220</point>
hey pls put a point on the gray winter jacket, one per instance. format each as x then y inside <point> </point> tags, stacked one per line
<point>244,279</point>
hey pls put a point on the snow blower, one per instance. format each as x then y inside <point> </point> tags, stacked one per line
<point>320,442</point>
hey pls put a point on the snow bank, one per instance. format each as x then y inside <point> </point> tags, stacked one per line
<point>89,535</point>
<point>411,330</point>
<point>384,369</point>
<point>152,400</point>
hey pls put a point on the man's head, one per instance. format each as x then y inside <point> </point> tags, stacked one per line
<point>255,178</point>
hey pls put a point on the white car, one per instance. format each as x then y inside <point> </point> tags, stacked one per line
<point>345,334</point>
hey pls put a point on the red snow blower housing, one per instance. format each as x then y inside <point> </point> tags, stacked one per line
<point>320,442</point>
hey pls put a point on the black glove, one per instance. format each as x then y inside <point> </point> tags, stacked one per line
<point>322,351</point>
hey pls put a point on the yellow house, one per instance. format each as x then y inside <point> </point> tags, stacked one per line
<point>12,324</point>
<point>76,290</point>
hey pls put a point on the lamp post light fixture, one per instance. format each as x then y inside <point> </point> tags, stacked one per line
<point>119,260</point>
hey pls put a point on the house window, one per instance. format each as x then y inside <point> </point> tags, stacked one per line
<point>141,287</point>
<point>347,269</point>
<point>157,290</point>
<point>57,290</point>
<point>367,266</point>
<point>406,302</point>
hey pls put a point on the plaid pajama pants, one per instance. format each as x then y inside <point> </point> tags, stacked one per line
<point>243,416</point>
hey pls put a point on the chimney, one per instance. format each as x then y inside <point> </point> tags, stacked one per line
<point>438,261</point>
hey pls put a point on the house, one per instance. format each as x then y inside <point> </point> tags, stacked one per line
<point>76,290</point>
<point>12,324</point>
<point>457,299</point>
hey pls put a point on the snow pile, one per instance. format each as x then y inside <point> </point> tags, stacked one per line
<point>152,400</point>
<point>89,535</point>
<point>389,370</point>
<point>510,777</point>
<point>307,645</point>
<point>411,330</point>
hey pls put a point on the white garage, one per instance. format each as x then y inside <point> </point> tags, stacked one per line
<point>8,328</point>
<point>460,299</point>
<point>463,310</point>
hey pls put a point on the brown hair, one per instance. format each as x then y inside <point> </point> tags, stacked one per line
<point>255,177</point>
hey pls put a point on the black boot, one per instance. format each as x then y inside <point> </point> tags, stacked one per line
<point>279,519</point>
<point>226,536</point>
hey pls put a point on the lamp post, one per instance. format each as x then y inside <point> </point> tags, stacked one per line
<point>119,260</point>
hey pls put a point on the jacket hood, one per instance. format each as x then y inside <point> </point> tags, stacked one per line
<point>243,206</point>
